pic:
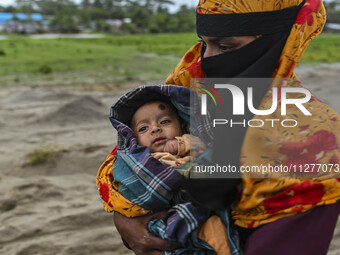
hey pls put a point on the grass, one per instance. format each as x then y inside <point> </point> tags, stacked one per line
<point>113,59</point>
<point>110,60</point>
<point>41,156</point>
<point>324,48</point>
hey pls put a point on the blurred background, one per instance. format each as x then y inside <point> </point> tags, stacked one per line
<point>63,64</point>
<point>87,42</point>
<point>93,42</point>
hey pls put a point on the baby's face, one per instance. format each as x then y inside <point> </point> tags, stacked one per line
<point>154,124</point>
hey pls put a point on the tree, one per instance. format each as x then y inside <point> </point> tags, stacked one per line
<point>47,7</point>
<point>333,11</point>
<point>99,14</point>
<point>10,8</point>
<point>25,6</point>
<point>65,17</point>
<point>186,19</point>
<point>108,5</point>
<point>153,5</point>
<point>98,4</point>
<point>84,17</point>
<point>146,15</point>
<point>141,18</point>
<point>86,4</point>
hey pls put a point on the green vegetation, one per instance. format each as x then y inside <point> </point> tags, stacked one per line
<point>114,59</point>
<point>45,69</point>
<point>41,156</point>
<point>324,48</point>
<point>136,16</point>
<point>109,60</point>
<point>333,11</point>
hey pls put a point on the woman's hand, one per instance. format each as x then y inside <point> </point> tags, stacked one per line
<point>135,232</point>
<point>171,146</point>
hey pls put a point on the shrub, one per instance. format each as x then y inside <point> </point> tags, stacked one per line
<point>45,69</point>
<point>41,156</point>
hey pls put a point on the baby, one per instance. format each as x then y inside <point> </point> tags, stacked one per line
<point>134,183</point>
<point>157,126</point>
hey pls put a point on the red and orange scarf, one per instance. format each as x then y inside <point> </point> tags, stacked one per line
<point>315,140</point>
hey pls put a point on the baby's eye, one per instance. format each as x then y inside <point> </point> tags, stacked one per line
<point>165,122</point>
<point>142,129</point>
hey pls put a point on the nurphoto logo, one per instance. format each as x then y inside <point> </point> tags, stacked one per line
<point>238,104</point>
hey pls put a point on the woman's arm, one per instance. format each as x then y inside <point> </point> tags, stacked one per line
<point>135,232</point>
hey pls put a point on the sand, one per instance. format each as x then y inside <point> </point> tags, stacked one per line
<point>54,207</point>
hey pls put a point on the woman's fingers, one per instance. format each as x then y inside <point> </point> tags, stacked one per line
<point>153,242</point>
<point>153,253</point>
<point>135,232</point>
<point>156,215</point>
<point>148,252</point>
<point>160,244</point>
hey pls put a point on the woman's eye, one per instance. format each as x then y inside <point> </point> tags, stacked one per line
<point>142,129</point>
<point>165,121</point>
<point>227,48</point>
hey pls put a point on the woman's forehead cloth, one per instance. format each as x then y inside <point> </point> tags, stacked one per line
<point>242,24</point>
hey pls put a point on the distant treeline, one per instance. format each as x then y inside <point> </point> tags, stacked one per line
<point>118,16</point>
<point>135,16</point>
<point>333,11</point>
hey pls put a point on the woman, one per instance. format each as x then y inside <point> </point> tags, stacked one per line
<point>275,216</point>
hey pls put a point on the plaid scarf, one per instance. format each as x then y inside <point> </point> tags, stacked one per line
<point>145,184</point>
<point>143,179</point>
<point>184,220</point>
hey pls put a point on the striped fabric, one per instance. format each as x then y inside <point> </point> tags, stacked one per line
<point>146,182</point>
<point>181,226</point>
<point>143,179</point>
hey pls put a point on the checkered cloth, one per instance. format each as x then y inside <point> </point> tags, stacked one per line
<point>147,182</point>
<point>143,179</point>
<point>182,219</point>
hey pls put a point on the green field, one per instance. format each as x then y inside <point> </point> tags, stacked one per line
<point>113,59</point>
<point>324,48</point>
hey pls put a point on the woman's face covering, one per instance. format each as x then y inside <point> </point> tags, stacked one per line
<point>219,45</point>
<point>242,56</point>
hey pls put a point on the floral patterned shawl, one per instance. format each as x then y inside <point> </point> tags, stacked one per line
<point>315,140</point>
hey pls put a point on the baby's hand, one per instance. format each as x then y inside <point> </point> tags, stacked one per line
<point>171,146</point>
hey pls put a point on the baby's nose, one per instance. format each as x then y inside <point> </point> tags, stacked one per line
<point>155,128</point>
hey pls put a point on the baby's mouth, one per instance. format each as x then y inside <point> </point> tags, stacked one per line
<point>159,140</point>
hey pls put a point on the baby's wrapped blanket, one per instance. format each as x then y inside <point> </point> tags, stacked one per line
<point>134,183</point>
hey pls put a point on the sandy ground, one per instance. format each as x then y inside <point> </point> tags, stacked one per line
<point>54,208</point>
